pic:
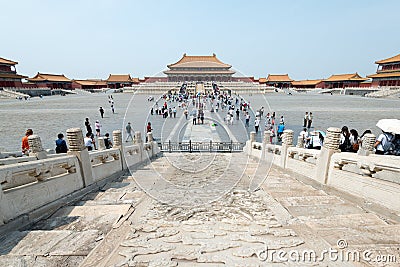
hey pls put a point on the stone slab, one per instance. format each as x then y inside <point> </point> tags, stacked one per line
<point>93,211</point>
<point>346,221</point>
<point>310,201</point>
<point>368,235</point>
<point>322,211</point>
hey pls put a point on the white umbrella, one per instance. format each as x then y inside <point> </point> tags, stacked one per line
<point>389,125</point>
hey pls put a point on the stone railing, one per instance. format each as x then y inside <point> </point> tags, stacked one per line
<point>27,186</point>
<point>43,179</point>
<point>375,178</point>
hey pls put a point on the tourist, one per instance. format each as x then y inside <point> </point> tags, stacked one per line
<point>345,144</point>
<point>101,112</point>
<point>354,140</point>
<point>185,112</point>
<point>88,127</point>
<point>202,116</point>
<point>256,124</point>
<point>383,143</point>
<point>194,115</point>
<point>97,126</point>
<point>262,111</point>
<point>152,111</point>
<point>148,128</point>
<point>61,145</point>
<point>128,129</point>
<point>112,108</point>
<point>281,128</point>
<point>89,142</point>
<point>174,112</point>
<point>25,143</point>
<point>237,114</point>
<point>282,120</point>
<point>304,136</point>
<point>310,119</point>
<point>247,119</point>
<point>107,142</point>
<point>316,141</point>
<point>305,124</point>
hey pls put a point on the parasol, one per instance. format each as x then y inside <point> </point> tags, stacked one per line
<point>389,125</point>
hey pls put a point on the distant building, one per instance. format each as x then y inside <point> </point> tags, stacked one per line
<point>89,84</point>
<point>8,74</point>
<point>53,81</point>
<point>343,81</point>
<point>199,68</point>
<point>307,84</point>
<point>277,80</point>
<point>388,72</point>
<point>116,81</point>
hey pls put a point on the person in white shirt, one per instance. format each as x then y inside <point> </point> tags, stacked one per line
<point>88,141</point>
<point>97,126</point>
<point>304,136</point>
<point>257,124</point>
<point>382,141</point>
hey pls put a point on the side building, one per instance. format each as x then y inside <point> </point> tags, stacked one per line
<point>343,81</point>
<point>116,81</point>
<point>8,74</point>
<point>277,80</point>
<point>52,81</point>
<point>199,68</point>
<point>388,72</point>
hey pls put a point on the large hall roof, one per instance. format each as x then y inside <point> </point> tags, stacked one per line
<point>389,60</point>
<point>199,62</point>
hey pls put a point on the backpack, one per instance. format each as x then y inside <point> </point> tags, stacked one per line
<point>389,147</point>
<point>396,144</point>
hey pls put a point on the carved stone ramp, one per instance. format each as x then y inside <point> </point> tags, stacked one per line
<point>284,214</point>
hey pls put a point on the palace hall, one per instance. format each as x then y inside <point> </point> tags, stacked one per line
<point>199,68</point>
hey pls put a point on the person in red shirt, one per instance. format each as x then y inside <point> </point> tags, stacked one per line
<point>149,127</point>
<point>25,144</point>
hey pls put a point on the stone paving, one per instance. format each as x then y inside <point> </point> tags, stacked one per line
<point>204,216</point>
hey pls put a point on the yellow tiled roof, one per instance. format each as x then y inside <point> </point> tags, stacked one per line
<point>91,82</point>
<point>345,77</point>
<point>306,82</point>
<point>278,78</point>
<point>199,61</point>
<point>11,76</point>
<point>385,75</point>
<point>7,61</point>
<point>41,77</point>
<point>119,78</point>
<point>389,60</point>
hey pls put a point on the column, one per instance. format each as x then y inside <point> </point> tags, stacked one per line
<point>300,142</point>
<point>117,143</point>
<point>265,142</point>
<point>287,141</point>
<point>78,149</point>
<point>367,145</point>
<point>331,146</point>
<point>35,146</point>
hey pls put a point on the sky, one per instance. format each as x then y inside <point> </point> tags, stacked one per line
<point>308,39</point>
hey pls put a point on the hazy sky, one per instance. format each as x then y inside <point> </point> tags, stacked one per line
<point>91,39</point>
